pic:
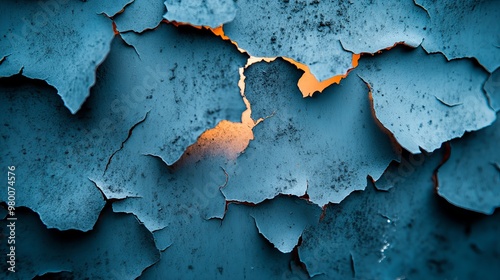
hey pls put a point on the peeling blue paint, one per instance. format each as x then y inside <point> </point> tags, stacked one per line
<point>117,248</point>
<point>470,178</point>
<point>406,232</point>
<point>423,99</point>
<point>61,42</point>
<point>61,152</point>
<point>324,34</point>
<point>325,145</point>
<point>464,29</point>
<point>140,15</point>
<point>283,219</point>
<point>196,76</point>
<point>492,88</point>
<point>214,249</point>
<point>211,13</point>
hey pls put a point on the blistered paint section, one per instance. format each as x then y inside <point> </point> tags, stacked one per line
<point>406,232</point>
<point>325,145</point>
<point>471,177</point>
<point>60,42</point>
<point>140,15</point>
<point>212,13</point>
<point>117,248</point>
<point>283,219</point>
<point>423,99</point>
<point>464,29</point>
<point>324,34</point>
<point>492,88</point>
<point>215,249</point>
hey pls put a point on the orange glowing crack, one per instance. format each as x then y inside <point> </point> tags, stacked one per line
<point>229,139</point>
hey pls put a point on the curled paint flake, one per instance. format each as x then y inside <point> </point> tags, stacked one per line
<point>282,220</point>
<point>61,42</point>
<point>424,100</point>
<point>470,178</point>
<point>492,88</point>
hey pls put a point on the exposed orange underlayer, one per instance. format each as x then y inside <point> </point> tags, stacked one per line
<point>229,139</point>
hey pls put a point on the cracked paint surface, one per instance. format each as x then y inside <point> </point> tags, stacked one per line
<point>464,29</point>
<point>431,101</point>
<point>140,16</point>
<point>72,151</point>
<point>184,155</point>
<point>220,250</point>
<point>471,177</point>
<point>406,232</point>
<point>84,255</point>
<point>64,49</point>
<point>492,88</point>
<point>177,61</point>
<point>211,13</point>
<point>325,145</point>
<point>283,219</point>
<point>324,34</point>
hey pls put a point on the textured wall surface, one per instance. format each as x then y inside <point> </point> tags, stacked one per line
<point>223,139</point>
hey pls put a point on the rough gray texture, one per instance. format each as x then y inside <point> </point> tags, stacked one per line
<point>424,100</point>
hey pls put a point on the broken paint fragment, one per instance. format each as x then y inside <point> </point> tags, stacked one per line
<point>283,219</point>
<point>492,88</point>
<point>470,178</point>
<point>424,100</point>
<point>407,232</point>
<point>325,145</point>
<point>211,13</point>
<point>461,29</point>
<point>140,15</point>
<point>119,247</point>
<point>227,249</point>
<point>193,78</point>
<point>161,193</point>
<point>324,34</point>
<point>62,152</point>
<point>60,42</point>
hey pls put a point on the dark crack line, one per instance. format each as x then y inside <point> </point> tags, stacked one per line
<point>422,7</point>
<point>123,143</point>
<point>100,190</point>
